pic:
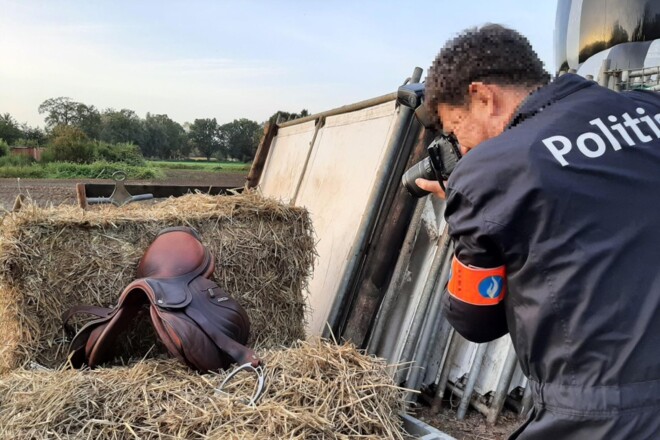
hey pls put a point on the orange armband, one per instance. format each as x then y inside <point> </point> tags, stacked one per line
<point>477,286</point>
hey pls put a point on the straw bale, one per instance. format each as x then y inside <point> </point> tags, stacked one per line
<point>315,390</point>
<point>57,257</point>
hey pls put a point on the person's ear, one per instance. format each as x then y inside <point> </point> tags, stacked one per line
<point>482,99</point>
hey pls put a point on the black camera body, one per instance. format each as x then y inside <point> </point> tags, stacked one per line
<point>444,152</point>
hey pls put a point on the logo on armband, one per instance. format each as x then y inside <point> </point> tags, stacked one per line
<point>476,285</point>
<point>491,287</point>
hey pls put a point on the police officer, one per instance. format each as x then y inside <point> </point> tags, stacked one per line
<point>555,212</point>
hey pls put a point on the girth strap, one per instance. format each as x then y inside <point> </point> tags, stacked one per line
<point>101,312</point>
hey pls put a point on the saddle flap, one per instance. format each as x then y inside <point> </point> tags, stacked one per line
<point>167,335</point>
<point>101,342</point>
<point>169,293</point>
<point>77,348</point>
<point>188,342</point>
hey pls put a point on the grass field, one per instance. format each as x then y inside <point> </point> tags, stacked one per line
<point>66,170</point>
<point>104,170</point>
<point>201,165</point>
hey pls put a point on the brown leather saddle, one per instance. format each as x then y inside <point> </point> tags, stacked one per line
<point>197,321</point>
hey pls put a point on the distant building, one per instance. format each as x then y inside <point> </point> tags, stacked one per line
<point>33,152</point>
<point>626,33</point>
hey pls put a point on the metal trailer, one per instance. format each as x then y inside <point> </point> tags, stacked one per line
<point>383,256</point>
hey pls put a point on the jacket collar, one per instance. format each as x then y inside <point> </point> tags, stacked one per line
<point>560,88</point>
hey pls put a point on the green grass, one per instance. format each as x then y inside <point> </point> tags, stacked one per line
<point>104,170</point>
<point>201,165</point>
<point>66,170</point>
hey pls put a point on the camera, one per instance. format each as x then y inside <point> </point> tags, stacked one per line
<point>443,157</point>
<point>444,152</point>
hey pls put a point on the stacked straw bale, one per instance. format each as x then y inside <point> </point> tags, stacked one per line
<point>315,390</point>
<point>54,258</point>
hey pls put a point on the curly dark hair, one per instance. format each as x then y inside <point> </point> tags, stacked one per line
<point>491,54</point>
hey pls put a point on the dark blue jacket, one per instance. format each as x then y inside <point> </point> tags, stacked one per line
<point>568,199</point>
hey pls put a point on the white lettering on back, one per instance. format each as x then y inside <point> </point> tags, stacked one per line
<point>600,144</point>
<point>608,134</point>
<point>558,154</point>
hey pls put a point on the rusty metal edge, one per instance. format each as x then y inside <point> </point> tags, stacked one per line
<point>257,168</point>
<point>343,109</point>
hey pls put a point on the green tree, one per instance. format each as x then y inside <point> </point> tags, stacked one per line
<point>164,138</point>
<point>88,119</point>
<point>70,144</point>
<point>4,148</point>
<point>240,139</point>
<point>204,136</point>
<point>64,111</point>
<point>33,135</point>
<point>283,116</point>
<point>9,129</point>
<point>127,153</point>
<point>121,126</point>
<point>59,111</point>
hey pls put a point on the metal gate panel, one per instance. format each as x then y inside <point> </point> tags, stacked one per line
<point>492,366</point>
<point>438,358</point>
<point>393,335</point>
<point>286,161</point>
<point>347,153</point>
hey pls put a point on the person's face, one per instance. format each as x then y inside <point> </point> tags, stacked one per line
<point>461,121</point>
<point>487,111</point>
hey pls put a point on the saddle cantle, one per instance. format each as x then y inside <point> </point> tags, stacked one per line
<point>197,321</point>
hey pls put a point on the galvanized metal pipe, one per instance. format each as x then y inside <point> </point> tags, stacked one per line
<point>400,269</point>
<point>503,385</point>
<point>431,322</point>
<point>437,350</point>
<point>603,74</point>
<point>644,72</point>
<point>421,358</point>
<point>449,330</point>
<point>479,406</point>
<point>471,381</point>
<point>615,81</point>
<point>400,132</point>
<point>425,298</point>
<point>443,373</point>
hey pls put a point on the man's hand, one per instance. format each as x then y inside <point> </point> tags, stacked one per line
<point>432,186</point>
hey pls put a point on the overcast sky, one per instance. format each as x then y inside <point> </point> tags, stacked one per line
<point>239,59</point>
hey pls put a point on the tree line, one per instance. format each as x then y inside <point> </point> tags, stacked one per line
<point>70,123</point>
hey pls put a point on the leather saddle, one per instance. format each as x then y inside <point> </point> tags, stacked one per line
<point>196,320</point>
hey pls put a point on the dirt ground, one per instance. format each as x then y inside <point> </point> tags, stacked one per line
<point>473,427</point>
<point>56,192</point>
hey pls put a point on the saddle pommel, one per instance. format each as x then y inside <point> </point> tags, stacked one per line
<point>175,252</point>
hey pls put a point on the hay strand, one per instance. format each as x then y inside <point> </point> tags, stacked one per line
<point>57,257</point>
<point>315,390</point>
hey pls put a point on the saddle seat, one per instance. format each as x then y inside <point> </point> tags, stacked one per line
<point>196,320</point>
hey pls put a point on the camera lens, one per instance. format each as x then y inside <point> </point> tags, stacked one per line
<point>421,169</point>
